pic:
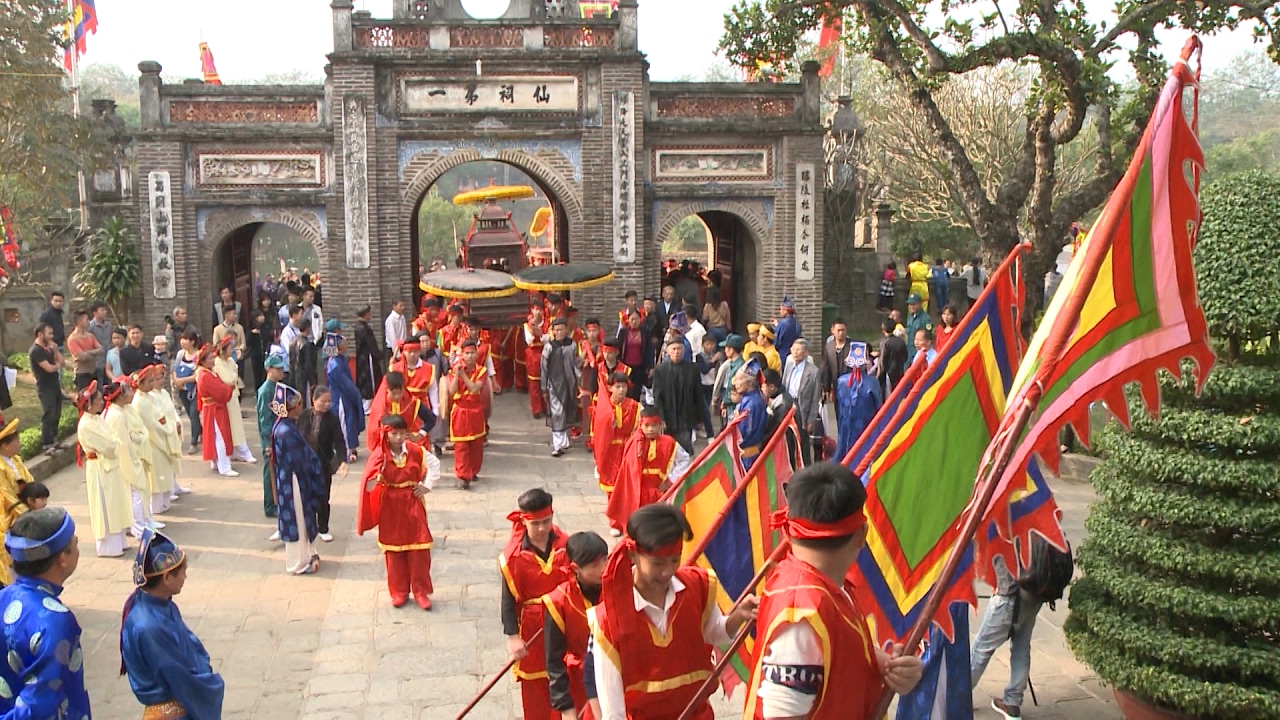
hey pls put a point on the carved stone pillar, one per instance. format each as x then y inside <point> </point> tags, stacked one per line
<point>149,94</point>
<point>342,38</point>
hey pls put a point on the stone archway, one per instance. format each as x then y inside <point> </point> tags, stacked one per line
<point>740,229</point>
<point>214,226</point>
<point>426,167</point>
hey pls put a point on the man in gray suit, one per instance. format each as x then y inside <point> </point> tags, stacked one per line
<point>803,381</point>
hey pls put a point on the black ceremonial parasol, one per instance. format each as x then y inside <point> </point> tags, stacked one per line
<point>566,276</point>
<point>468,284</point>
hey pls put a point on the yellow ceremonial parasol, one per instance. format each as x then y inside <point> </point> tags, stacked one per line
<point>541,221</point>
<point>493,192</point>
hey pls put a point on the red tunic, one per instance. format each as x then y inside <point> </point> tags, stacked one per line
<point>611,426</point>
<point>213,396</point>
<point>644,467</point>
<point>532,338</point>
<point>389,504</point>
<point>504,351</point>
<point>529,579</point>
<point>567,607</point>
<point>418,380</point>
<point>662,671</point>
<point>604,374</point>
<point>450,336</point>
<point>796,592</point>
<point>408,408</point>
<point>466,409</point>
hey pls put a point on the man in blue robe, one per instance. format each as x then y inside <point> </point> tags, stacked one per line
<point>347,403</point>
<point>167,665</point>
<point>754,412</point>
<point>787,328</point>
<point>857,394</point>
<point>44,675</point>
<point>299,484</point>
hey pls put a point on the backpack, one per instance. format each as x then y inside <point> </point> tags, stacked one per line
<point>1049,573</point>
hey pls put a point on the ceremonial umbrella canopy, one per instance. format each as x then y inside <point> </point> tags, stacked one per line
<point>493,192</point>
<point>468,284</point>
<point>566,276</point>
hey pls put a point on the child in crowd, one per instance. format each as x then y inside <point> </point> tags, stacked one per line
<point>708,360</point>
<point>885,303</point>
<point>32,496</point>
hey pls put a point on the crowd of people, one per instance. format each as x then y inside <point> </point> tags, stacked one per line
<point>637,395</point>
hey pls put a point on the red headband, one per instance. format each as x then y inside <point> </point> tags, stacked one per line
<point>520,515</point>
<point>802,529</point>
<point>616,584</point>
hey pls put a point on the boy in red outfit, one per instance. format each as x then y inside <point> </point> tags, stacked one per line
<point>397,477</point>
<point>651,462</point>
<point>808,606</point>
<point>657,622</point>
<point>614,420</point>
<point>533,564</point>
<point>534,332</point>
<point>394,399</point>
<point>464,397</point>
<point>565,629</point>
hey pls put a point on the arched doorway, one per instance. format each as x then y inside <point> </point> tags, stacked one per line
<point>723,247</point>
<point>258,250</point>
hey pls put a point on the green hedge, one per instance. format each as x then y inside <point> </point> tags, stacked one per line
<point>30,437</point>
<point>19,361</point>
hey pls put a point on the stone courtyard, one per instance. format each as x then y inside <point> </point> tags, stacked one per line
<point>331,645</point>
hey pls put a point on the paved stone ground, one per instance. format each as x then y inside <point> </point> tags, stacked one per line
<point>331,645</point>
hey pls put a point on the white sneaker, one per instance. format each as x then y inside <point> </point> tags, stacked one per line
<point>326,537</point>
<point>615,532</point>
<point>157,525</point>
<point>275,537</point>
<point>229,473</point>
<point>174,496</point>
<point>181,491</point>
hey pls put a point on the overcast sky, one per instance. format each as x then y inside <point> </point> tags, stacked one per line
<point>252,38</point>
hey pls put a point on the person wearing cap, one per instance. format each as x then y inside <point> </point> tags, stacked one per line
<point>463,399</point>
<point>814,655</point>
<point>535,332</point>
<point>347,403</point>
<point>134,450</point>
<point>679,325</point>
<point>917,319</point>
<point>266,422</point>
<point>753,408</point>
<point>559,376</point>
<point>44,675</point>
<point>857,396</point>
<point>564,626</point>
<point>227,369</point>
<point>751,346</point>
<point>162,442</point>
<point>615,418</point>
<point>765,346</point>
<point>167,665</point>
<point>110,512</point>
<point>732,347</point>
<point>788,326</point>
<point>13,477</point>
<point>369,358</point>
<point>213,395</point>
<point>397,478</point>
<point>532,564</point>
<point>299,484</point>
<point>160,349</point>
<point>651,463</point>
<point>657,621</point>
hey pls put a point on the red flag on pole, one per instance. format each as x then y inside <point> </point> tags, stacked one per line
<point>206,65</point>
<point>830,37</point>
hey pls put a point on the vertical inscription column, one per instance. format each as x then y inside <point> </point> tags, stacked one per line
<point>160,210</point>
<point>804,221</point>
<point>355,185</point>
<point>624,177</point>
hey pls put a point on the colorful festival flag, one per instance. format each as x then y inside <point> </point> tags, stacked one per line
<point>206,65</point>
<point>828,44</point>
<point>920,469</point>
<point>945,690</point>
<point>1127,305</point>
<point>735,538</point>
<point>84,22</point>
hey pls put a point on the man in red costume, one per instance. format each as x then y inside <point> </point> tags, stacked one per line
<point>589,349</point>
<point>394,399</point>
<point>504,351</point>
<point>657,622</point>
<point>808,605</point>
<point>213,395</point>
<point>397,478</point>
<point>419,377</point>
<point>535,336</point>
<point>564,627</point>
<point>557,308</point>
<point>463,398</point>
<point>651,462</point>
<point>614,420</point>
<point>453,332</point>
<point>484,351</point>
<point>533,563</point>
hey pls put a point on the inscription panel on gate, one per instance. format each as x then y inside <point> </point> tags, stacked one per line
<point>532,94</point>
<point>736,164</point>
<point>261,168</point>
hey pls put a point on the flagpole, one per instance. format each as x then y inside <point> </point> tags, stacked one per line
<point>706,451</point>
<point>741,487</point>
<point>494,680</point>
<point>74,49</point>
<point>709,685</point>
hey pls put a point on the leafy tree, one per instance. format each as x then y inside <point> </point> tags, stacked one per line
<point>113,269</point>
<point>112,82</point>
<point>440,225</point>
<point>42,146</point>
<point>926,45</point>
<point>689,238</point>
<point>1182,565</point>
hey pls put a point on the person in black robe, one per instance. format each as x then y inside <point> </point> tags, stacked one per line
<point>259,345</point>
<point>677,394</point>
<point>369,359</point>
<point>323,431</point>
<point>304,361</point>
